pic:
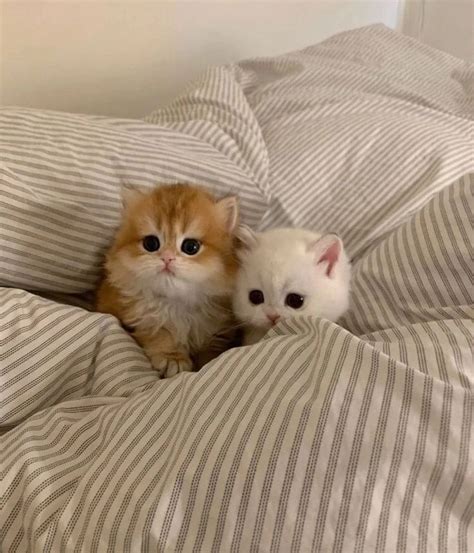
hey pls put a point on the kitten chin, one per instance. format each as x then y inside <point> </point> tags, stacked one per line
<point>170,271</point>
<point>288,273</point>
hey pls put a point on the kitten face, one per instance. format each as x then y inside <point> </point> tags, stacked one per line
<point>289,273</point>
<point>175,242</point>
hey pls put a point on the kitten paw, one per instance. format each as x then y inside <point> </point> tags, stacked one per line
<point>176,366</point>
<point>170,365</point>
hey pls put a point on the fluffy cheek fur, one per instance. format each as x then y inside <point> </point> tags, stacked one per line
<point>137,273</point>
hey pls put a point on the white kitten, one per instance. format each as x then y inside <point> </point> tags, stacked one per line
<point>289,273</point>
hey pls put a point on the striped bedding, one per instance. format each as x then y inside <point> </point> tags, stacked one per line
<point>323,437</point>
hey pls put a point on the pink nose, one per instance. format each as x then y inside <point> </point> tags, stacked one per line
<point>273,318</point>
<point>167,257</point>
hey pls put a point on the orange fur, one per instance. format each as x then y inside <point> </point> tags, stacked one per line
<point>174,315</point>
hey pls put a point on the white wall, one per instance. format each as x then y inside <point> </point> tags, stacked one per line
<point>125,58</point>
<point>444,24</point>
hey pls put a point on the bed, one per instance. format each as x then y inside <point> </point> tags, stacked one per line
<point>322,437</point>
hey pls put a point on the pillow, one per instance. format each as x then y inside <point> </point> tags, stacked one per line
<point>60,181</point>
<point>360,130</point>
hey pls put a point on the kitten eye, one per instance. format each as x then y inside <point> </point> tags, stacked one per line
<point>151,243</point>
<point>190,246</point>
<point>256,297</point>
<point>295,301</point>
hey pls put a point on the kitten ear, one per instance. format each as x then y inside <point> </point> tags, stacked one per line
<point>131,194</point>
<point>327,252</point>
<point>229,209</point>
<point>246,237</point>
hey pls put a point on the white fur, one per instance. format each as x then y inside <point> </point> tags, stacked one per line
<point>283,261</point>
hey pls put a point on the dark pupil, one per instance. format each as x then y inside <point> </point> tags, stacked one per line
<point>294,301</point>
<point>151,243</point>
<point>190,246</point>
<point>256,297</point>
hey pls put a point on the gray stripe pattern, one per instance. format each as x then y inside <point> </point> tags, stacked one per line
<point>322,437</point>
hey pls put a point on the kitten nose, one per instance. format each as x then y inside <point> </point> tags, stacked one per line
<point>167,256</point>
<point>273,318</point>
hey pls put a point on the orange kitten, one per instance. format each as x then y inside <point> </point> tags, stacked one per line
<point>169,274</point>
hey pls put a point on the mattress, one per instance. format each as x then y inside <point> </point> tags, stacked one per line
<point>322,437</point>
